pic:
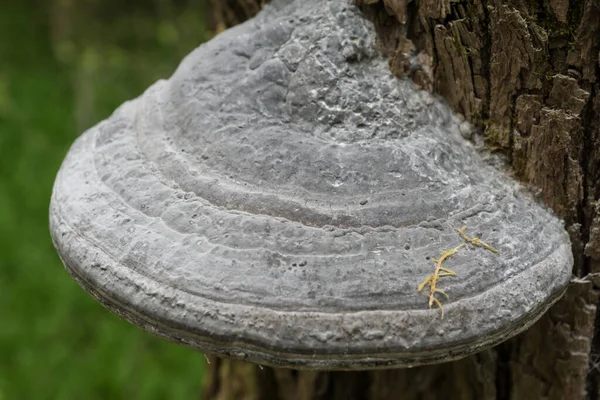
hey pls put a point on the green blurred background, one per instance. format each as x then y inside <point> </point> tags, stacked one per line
<point>64,66</point>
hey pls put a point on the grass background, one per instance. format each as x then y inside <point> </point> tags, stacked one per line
<point>64,66</point>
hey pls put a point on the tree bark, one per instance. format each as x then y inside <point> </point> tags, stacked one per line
<point>227,13</point>
<point>526,73</point>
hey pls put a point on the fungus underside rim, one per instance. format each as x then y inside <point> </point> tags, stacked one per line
<point>306,361</point>
<point>255,350</point>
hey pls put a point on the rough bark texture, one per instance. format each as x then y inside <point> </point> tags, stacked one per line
<point>526,73</point>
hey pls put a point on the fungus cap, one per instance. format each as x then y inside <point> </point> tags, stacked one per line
<point>281,197</point>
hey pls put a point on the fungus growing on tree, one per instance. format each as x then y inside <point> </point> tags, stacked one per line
<point>281,197</point>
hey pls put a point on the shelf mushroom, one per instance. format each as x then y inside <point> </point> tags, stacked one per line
<point>283,199</point>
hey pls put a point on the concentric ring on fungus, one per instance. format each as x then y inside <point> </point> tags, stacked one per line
<point>282,195</point>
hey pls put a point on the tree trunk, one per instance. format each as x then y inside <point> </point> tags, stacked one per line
<point>227,13</point>
<point>526,73</point>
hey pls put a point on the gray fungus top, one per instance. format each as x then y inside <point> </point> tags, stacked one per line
<point>281,197</point>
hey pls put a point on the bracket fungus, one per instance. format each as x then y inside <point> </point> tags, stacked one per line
<point>282,197</point>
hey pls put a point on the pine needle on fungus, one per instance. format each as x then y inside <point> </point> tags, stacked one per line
<point>476,241</point>
<point>439,272</point>
<point>432,280</point>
